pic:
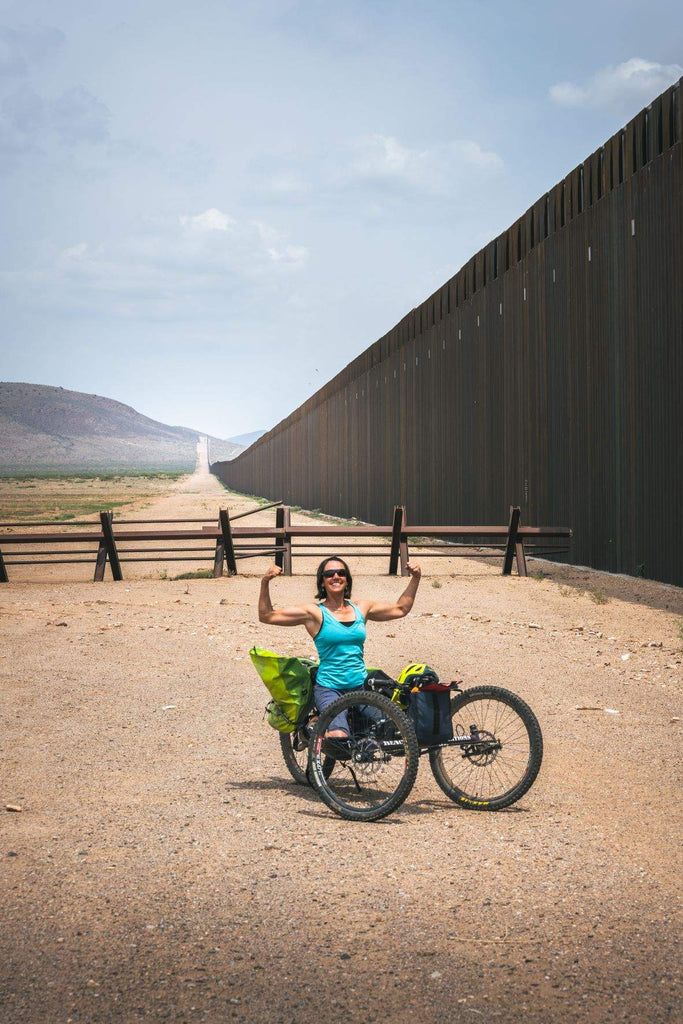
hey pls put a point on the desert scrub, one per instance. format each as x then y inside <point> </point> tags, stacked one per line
<point>436,584</point>
<point>539,575</point>
<point>598,596</point>
<point>62,498</point>
<point>196,574</point>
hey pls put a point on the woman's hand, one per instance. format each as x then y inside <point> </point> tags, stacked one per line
<point>414,569</point>
<point>271,572</point>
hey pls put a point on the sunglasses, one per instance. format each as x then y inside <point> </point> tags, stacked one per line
<point>329,573</point>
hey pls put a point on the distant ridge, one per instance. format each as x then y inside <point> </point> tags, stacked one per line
<point>47,428</point>
<point>246,439</point>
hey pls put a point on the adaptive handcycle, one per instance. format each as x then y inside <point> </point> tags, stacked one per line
<point>490,760</point>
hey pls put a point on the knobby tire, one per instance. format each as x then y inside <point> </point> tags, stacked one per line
<point>482,778</point>
<point>367,790</point>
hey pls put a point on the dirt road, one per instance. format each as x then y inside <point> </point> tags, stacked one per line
<point>165,867</point>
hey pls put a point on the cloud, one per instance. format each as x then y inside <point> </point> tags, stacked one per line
<point>196,266</point>
<point>29,123</point>
<point>25,111</point>
<point>439,169</point>
<point>22,47</point>
<point>210,220</point>
<point>78,116</point>
<point>22,125</point>
<point>634,80</point>
<point>278,250</point>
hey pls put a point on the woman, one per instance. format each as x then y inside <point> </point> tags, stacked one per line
<point>337,627</point>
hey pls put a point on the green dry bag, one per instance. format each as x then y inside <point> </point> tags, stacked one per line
<point>288,680</point>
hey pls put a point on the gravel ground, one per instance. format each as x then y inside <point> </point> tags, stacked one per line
<point>164,866</point>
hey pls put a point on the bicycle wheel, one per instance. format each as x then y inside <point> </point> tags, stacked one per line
<point>501,757</point>
<point>374,770</point>
<point>294,746</point>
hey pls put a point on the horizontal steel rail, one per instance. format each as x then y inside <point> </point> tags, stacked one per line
<point>232,542</point>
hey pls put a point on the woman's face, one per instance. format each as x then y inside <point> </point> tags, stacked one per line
<point>334,585</point>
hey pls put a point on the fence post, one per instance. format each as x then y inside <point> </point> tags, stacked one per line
<point>4,578</point>
<point>403,546</point>
<point>279,525</point>
<point>106,519</point>
<point>228,547</point>
<point>395,539</point>
<point>520,557</point>
<point>399,542</point>
<point>100,562</point>
<point>510,549</point>
<point>219,557</point>
<point>287,540</point>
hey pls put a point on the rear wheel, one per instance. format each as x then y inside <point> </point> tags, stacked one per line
<point>501,757</point>
<point>294,746</point>
<point>374,770</point>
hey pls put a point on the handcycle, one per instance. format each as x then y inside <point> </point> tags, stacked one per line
<point>491,761</point>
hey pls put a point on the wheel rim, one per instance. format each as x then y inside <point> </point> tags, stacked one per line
<point>367,780</point>
<point>496,763</point>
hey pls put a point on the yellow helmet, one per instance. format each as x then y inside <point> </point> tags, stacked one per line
<point>418,676</point>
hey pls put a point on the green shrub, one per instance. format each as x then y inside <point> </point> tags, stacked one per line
<point>196,574</point>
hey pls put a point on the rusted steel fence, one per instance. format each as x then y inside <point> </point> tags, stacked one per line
<point>547,371</point>
<point>225,543</point>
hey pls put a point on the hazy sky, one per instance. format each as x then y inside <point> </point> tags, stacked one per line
<point>207,209</point>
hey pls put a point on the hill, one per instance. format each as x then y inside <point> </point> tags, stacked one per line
<point>246,439</point>
<point>45,428</point>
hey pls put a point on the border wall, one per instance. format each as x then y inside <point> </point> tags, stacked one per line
<point>548,372</point>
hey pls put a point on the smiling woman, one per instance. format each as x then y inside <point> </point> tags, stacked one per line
<point>337,627</point>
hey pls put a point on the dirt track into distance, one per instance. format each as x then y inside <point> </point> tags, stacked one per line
<point>165,867</point>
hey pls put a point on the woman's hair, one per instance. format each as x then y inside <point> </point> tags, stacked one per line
<point>321,593</point>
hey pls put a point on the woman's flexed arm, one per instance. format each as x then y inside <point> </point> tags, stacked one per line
<point>382,612</point>
<point>294,615</point>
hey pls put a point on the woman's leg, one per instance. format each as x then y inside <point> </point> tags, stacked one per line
<point>324,696</point>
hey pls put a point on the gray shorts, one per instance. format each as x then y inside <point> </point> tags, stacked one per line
<point>325,695</point>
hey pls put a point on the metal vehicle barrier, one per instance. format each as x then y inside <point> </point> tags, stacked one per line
<point>281,541</point>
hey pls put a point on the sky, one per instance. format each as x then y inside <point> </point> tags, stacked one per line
<point>208,209</point>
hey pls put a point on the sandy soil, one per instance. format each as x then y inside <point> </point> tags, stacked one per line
<point>165,867</point>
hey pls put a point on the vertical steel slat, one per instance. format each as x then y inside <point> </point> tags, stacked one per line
<point>559,385</point>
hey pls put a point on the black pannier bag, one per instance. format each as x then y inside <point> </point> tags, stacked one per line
<point>430,711</point>
<point>429,705</point>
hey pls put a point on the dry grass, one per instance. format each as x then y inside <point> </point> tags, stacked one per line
<point>69,497</point>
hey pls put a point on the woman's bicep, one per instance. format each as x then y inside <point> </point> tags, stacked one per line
<point>381,612</point>
<point>291,615</point>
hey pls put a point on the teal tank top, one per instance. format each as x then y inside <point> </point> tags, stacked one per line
<point>340,649</point>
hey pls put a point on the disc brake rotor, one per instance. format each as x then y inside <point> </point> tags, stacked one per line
<point>485,751</point>
<point>367,757</point>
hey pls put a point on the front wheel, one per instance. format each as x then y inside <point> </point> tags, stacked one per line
<point>496,753</point>
<point>375,768</point>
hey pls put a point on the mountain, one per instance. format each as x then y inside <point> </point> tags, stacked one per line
<point>246,439</point>
<point>44,428</point>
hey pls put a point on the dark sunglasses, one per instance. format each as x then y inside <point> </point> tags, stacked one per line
<point>329,573</point>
